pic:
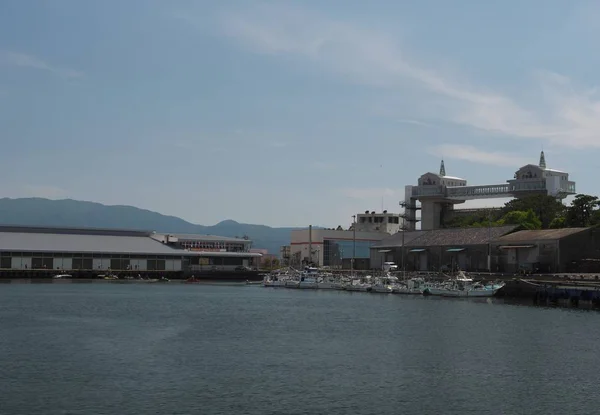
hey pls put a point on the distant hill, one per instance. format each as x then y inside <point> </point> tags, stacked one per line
<point>74,213</point>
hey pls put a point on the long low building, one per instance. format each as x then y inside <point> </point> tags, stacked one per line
<point>48,248</point>
<point>439,249</point>
<point>499,249</point>
<point>549,250</point>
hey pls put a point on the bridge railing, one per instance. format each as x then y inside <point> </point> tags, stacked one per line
<point>528,186</point>
<point>428,191</point>
<point>474,191</point>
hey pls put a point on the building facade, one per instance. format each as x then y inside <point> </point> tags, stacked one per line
<point>99,250</point>
<point>439,249</point>
<point>333,248</point>
<point>390,223</point>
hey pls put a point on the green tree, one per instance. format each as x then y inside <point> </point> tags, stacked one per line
<point>546,208</point>
<point>558,222</point>
<point>583,211</point>
<point>524,219</point>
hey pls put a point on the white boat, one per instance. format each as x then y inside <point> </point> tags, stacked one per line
<point>278,278</point>
<point>62,276</point>
<point>385,284</point>
<point>411,286</point>
<point>309,278</point>
<point>462,286</point>
<point>327,281</point>
<point>292,283</point>
<point>359,284</point>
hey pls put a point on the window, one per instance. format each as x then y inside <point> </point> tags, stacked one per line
<point>232,261</point>
<point>119,263</point>
<point>83,263</point>
<point>42,263</point>
<point>334,251</point>
<point>5,262</point>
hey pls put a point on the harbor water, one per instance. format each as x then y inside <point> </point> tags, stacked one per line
<point>210,349</point>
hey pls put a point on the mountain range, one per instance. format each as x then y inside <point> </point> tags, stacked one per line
<point>75,213</point>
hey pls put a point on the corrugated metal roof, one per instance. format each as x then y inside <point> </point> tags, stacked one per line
<point>224,254</point>
<point>457,237</point>
<point>71,230</point>
<point>53,242</point>
<point>396,239</point>
<point>538,235</point>
<point>198,237</point>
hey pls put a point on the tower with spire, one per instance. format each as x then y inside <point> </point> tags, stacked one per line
<point>542,160</point>
<point>442,169</point>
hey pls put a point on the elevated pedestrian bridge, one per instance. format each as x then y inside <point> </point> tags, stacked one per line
<point>491,191</point>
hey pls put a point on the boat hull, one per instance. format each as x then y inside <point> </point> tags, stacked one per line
<point>461,293</point>
<point>227,275</point>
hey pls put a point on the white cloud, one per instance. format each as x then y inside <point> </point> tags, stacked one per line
<point>566,115</point>
<point>28,61</point>
<point>474,155</point>
<point>413,122</point>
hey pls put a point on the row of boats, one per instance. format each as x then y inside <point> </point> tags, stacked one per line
<point>459,285</point>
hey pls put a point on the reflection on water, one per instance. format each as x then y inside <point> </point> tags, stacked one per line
<point>181,349</point>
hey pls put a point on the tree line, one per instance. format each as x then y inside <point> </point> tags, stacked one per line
<point>536,212</point>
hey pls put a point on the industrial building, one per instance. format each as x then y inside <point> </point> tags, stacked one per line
<point>549,250</point>
<point>498,249</point>
<point>439,249</point>
<point>26,248</point>
<point>336,248</point>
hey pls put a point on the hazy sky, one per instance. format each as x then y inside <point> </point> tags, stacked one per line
<point>290,113</point>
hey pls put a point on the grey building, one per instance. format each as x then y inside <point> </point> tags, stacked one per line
<point>548,250</point>
<point>75,249</point>
<point>440,249</point>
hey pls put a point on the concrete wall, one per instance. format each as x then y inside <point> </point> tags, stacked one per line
<point>431,213</point>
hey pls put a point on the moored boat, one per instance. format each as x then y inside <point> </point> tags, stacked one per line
<point>462,286</point>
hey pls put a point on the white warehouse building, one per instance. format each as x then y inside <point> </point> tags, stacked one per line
<point>29,248</point>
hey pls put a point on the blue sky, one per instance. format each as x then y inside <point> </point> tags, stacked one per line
<point>290,113</point>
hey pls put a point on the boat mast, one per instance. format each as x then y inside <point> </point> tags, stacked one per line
<point>489,256</point>
<point>353,243</point>
<point>310,256</point>
<point>403,268</point>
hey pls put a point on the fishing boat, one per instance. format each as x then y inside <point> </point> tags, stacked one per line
<point>359,284</point>
<point>462,286</point>
<point>309,278</point>
<point>414,286</point>
<point>327,281</point>
<point>385,284</point>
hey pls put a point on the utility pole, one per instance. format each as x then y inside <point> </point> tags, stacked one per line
<point>489,258</point>
<point>403,268</point>
<point>353,242</point>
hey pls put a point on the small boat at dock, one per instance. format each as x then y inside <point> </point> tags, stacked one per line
<point>462,286</point>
